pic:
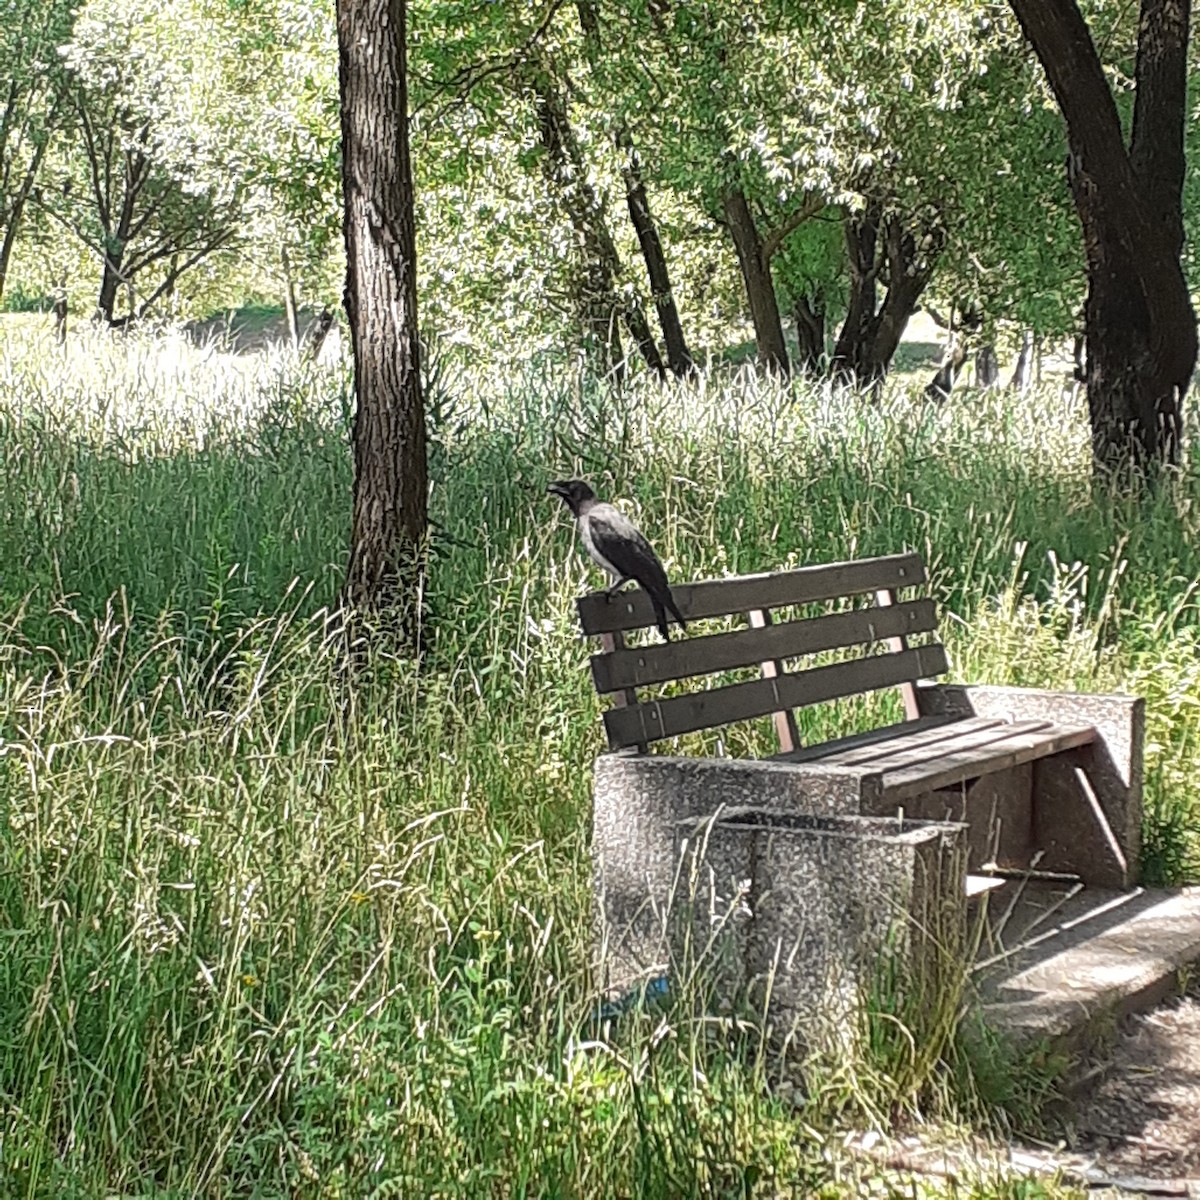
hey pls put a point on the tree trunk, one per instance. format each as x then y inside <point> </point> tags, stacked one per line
<point>638,202</point>
<point>389,524</point>
<point>987,369</point>
<point>599,264</point>
<point>116,240</point>
<point>760,288</point>
<point>60,310</point>
<point>809,316</point>
<point>318,331</point>
<point>289,299</point>
<point>942,384</point>
<point>870,337</point>
<point>110,280</point>
<point>1022,376</point>
<point>16,210</point>
<point>910,266</point>
<point>861,233</point>
<point>678,356</point>
<point>1140,326</point>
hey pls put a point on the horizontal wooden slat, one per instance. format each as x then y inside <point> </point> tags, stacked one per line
<point>656,719</point>
<point>659,663</point>
<point>720,597</point>
<point>938,726</point>
<point>868,737</point>
<point>946,770</point>
<point>964,735</point>
<point>972,737</point>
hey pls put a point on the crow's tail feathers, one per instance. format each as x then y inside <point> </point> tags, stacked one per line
<point>675,611</point>
<point>660,617</point>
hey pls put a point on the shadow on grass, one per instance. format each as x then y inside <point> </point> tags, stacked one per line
<point>249,329</point>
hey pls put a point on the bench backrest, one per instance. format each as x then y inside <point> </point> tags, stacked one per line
<point>620,670</point>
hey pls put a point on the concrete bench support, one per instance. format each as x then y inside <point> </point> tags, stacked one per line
<point>800,917</point>
<point>1086,803</point>
<point>640,801</point>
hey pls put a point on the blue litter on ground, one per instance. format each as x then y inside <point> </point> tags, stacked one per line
<point>653,989</point>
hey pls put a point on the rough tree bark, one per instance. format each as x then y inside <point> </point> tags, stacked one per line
<point>389,523</point>
<point>1022,376</point>
<point>987,367</point>
<point>13,209</point>
<point>809,315</point>
<point>964,323</point>
<point>861,233</point>
<point>289,298</point>
<point>1139,322</point>
<point>756,274</point>
<point>116,237</point>
<point>60,310</point>
<point>942,384</point>
<point>678,356</point>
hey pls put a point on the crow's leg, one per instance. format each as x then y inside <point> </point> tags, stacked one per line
<point>611,592</point>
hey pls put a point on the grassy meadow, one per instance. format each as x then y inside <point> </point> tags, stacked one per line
<point>270,927</point>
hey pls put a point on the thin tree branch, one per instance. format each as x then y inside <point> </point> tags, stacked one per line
<point>811,205</point>
<point>214,243</point>
<point>470,77</point>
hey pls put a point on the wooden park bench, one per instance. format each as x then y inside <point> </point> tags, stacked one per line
<point>1047,782</point>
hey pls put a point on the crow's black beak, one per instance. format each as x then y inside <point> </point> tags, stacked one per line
<point>558,489</point>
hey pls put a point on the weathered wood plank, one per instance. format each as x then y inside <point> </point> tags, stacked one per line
<point>643,665</point>
<point>614,643</point>
<point>652,720</point>
<point>988,733</point>
<point>925,731</point>
<point>970,734</point>
<point>868,737</point>
<point>739,594</point>
<point>946,770</point>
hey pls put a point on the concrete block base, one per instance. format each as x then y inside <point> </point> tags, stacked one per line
<point>1086,803</point>
<point>799,917</point>
<point>640,801</point>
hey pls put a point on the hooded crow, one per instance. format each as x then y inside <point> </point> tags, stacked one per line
<point>616,545</point>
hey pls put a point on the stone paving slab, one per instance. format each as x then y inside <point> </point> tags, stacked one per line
<point>1065,965</point>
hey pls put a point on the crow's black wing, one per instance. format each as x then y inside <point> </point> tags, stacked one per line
<point>619,541</point>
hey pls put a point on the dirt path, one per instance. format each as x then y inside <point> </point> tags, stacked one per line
<point>1143,1118</point>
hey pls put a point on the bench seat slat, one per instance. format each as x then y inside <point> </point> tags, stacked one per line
<point>722,597</point>
<point>923,731</point>
<point>680,659</point>
<point>970,734</point>
<point>868,737</point>
<point>652,720</point>
<point>947,770</point>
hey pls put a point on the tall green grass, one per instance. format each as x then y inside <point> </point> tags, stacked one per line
<point>269,928</point>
